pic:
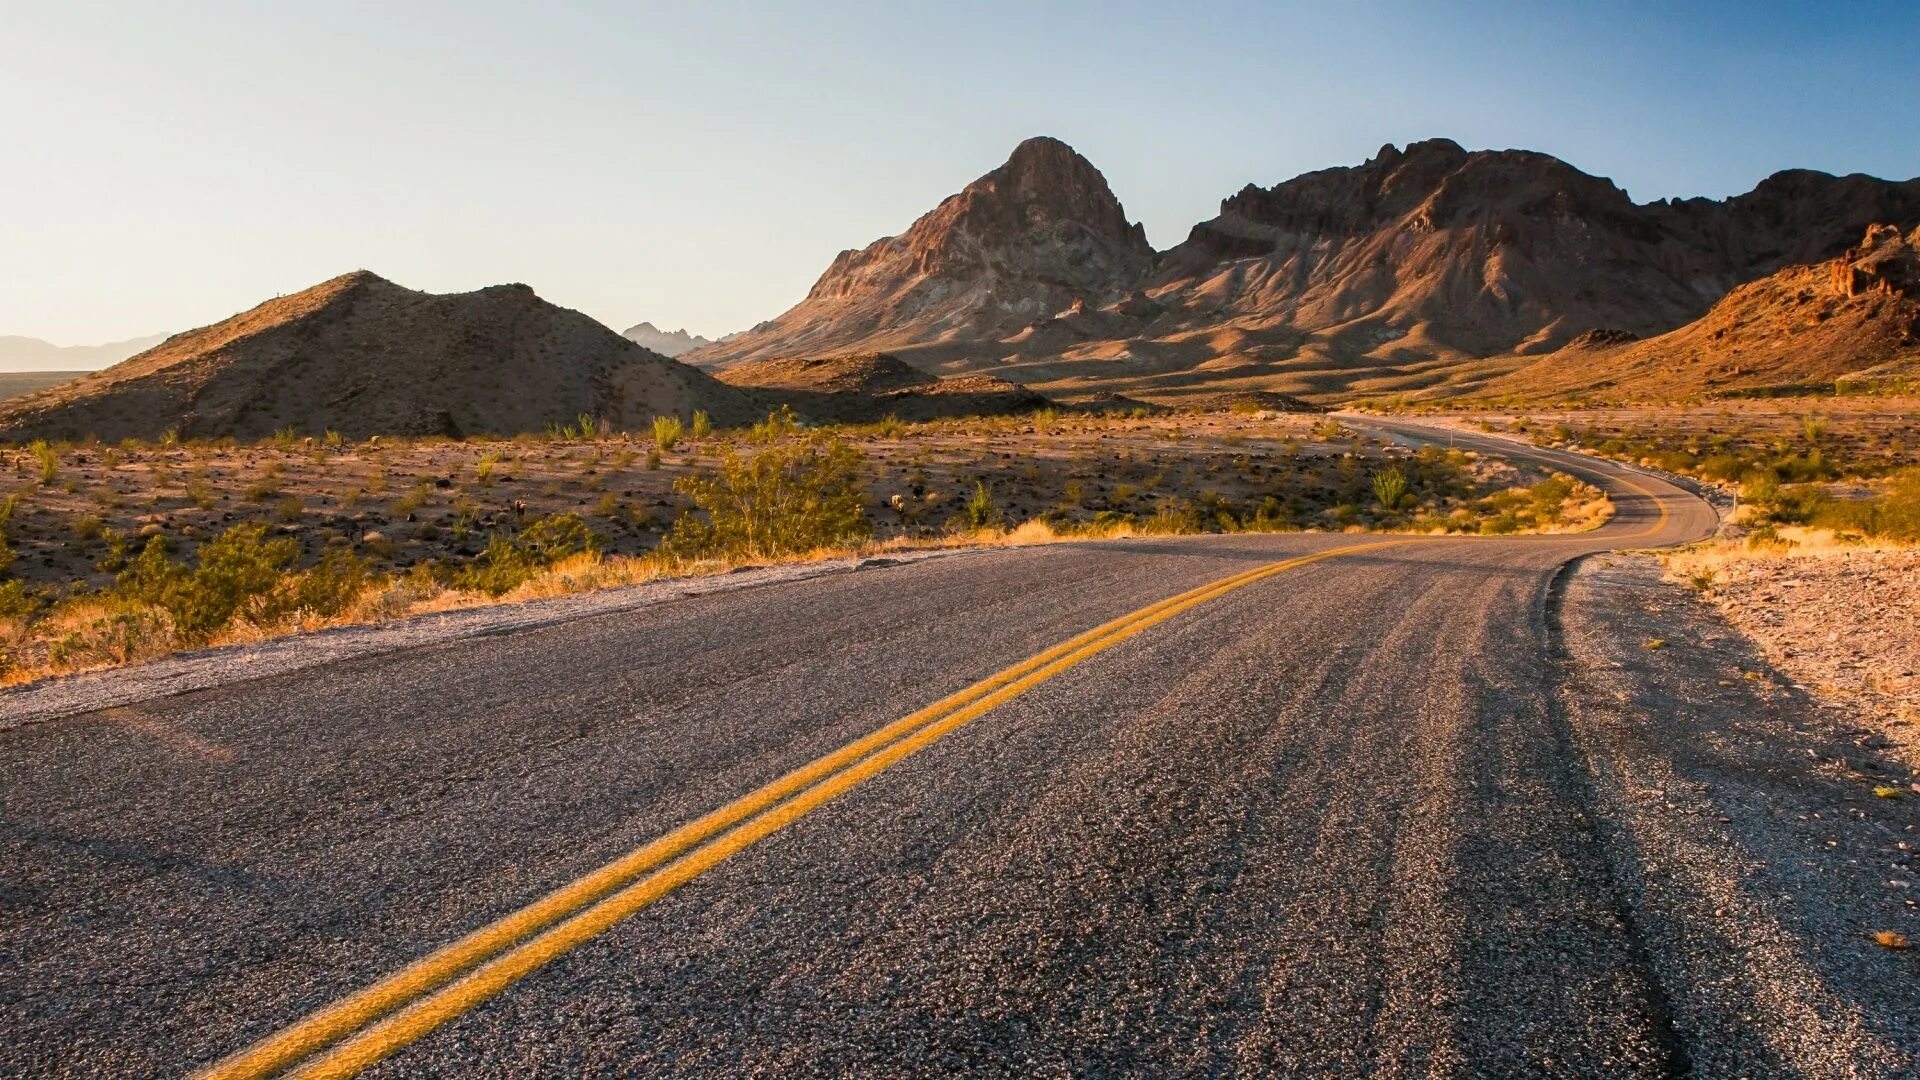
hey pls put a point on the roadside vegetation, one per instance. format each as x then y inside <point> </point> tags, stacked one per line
<point>117,554</point>
<point>1811,469</point>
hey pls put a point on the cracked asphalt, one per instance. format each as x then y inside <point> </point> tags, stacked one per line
<point>1380,814</point>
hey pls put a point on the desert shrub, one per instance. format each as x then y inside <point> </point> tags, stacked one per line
<point>775,501</point>
<point>1893,515</point>
<point>1549,498</point>
<point>1390,488</point>
<point>1760,487</point>
<point>332,585</point>
<point>46,460</point>
<point>889,427</point>
<point>779,423</point>
<point>592,427</point>
<point>410,502</point>
<point>981,512</point>
<point>236,570</point>
<point>508,561</point>
<point>702,424</point>
<point>666,432</point>
<point>1172,517</point>
<point>98,630</point>
<point>555,537</point>
<point>1813,426</point>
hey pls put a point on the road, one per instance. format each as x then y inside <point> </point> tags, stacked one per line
<point>1326,813</point>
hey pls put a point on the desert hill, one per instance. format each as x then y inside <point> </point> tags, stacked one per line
<point>1854,318</point>
<point>1427,267</point>
<point>363,356</point>
<point>1020,243</point>
<point>665,342</point>
<point>862,388</point>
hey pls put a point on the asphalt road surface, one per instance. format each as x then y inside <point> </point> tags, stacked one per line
<point>1331,816</point>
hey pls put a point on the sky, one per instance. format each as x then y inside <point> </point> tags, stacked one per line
<point>163,166</point>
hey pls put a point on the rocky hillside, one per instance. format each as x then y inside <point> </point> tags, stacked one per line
<point>363,356</point>
<point>1021,243</point>
<point>1854,319</point>
<point>665,342</point>
<point>863,388</point>
<point>1427,267</point>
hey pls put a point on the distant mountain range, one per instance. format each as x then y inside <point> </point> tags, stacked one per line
<point>32,354</point>
<point>1428,268</point>
<point>666,343</point>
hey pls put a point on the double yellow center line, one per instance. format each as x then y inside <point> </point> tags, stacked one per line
<point>347,1036</point>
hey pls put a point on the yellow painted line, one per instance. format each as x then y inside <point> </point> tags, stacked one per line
<point>459,976</point>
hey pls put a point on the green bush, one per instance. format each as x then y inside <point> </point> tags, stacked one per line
<point>981,511</point>
<point>778,500</point>
<point>508,561</point>
<point>666,432</point>
<point>46,458</point>
<point>1390,488</point>
<point>332,585</point>
<point>1894,515</point>
<point>702,424</point>
<point>236,572</point>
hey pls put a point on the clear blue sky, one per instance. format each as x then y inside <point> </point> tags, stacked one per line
<point>698,164</point>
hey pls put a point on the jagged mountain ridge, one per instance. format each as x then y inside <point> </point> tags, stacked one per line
<point>665,342</point>
<point>360,355</point>
<point>1422,267</point>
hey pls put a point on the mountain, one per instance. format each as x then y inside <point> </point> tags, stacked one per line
<point>666,343</point>
<point>32,354</point>
<point>1855,318</point>
<point>1424,268</point>
<point>363,356</point>
<point>1022,242</point>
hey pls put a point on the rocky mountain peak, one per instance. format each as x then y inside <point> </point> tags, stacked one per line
<point>1021,242</point>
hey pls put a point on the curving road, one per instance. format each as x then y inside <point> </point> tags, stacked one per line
<point>1322,815</point>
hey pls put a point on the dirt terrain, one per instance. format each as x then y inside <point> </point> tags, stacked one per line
<point>405,502</point>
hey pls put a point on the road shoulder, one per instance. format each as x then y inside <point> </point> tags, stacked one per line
<point>225,665</point>
<point>1740,819</point>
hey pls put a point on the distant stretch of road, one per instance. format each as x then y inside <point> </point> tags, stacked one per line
<point>1299,804</point>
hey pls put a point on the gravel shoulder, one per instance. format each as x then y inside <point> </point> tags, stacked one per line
<point>1739,813</point>
<point>1842,621</point>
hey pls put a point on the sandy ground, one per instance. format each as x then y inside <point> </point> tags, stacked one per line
<point>1843,622</point>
